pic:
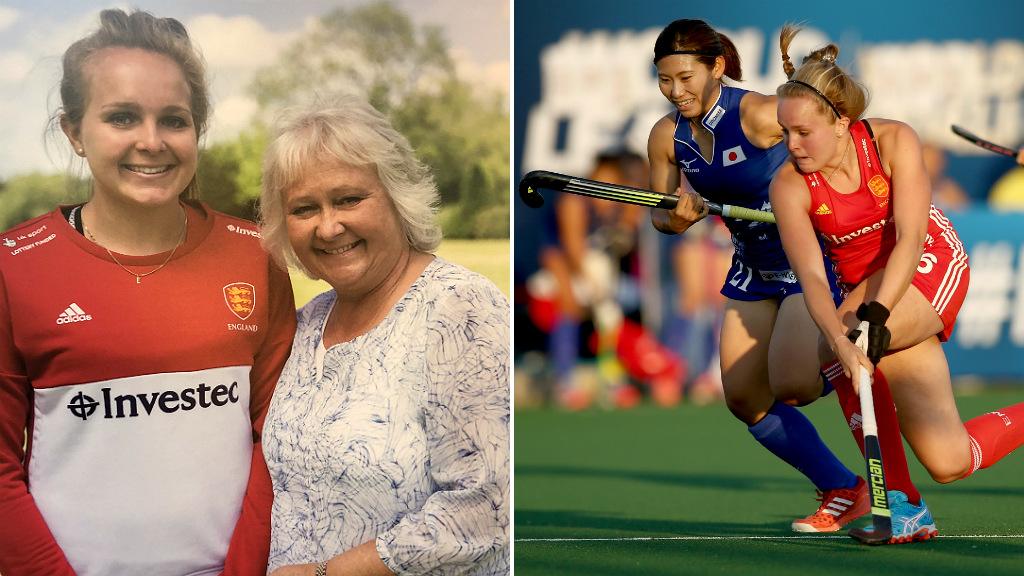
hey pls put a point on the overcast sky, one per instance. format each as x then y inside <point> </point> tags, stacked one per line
<point>237,37</point>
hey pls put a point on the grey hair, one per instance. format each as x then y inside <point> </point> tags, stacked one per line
<point>347,129</point>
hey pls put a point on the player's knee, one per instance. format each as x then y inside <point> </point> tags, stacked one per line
<point>746,409</point>
<point>795,391</point>
<point>947,471</point>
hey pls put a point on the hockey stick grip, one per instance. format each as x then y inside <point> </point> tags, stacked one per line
<point>867,404</point>
<point>741,213</point>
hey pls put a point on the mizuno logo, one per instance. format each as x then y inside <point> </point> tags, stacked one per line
<point>73,313</point>
<point>686,166</point>
<point>823,210</point>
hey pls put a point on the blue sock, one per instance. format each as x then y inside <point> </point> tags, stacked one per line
<point>788,434</point>
<point>563,346</point>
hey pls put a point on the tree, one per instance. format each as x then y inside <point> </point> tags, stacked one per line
<point>451,131</point>
<point>229,172</point>
<point>376,51</point>
<point>29,195</point>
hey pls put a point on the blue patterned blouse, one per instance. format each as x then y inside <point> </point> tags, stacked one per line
<point>400,435</point>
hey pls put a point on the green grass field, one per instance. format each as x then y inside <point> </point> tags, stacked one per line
<point>487,257</point>
<point>688,491</point>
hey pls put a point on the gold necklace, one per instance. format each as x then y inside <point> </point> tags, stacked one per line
<point>843,159</point>
<point>139,277</point>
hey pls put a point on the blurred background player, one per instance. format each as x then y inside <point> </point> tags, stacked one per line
<point>863,187</point>
<point>586,297</point>
<point>695,263</point>
<point>947,194</point>
<point>1007,193</point>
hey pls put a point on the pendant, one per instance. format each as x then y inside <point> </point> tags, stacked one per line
<point>138,280</point>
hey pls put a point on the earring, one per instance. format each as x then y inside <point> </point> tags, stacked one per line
<point>81,151</point>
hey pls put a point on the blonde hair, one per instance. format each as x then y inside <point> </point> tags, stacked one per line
<point>820,72</point>
<point>350,130</point>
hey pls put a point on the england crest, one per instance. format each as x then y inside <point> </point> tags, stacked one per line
<point>241,299</point>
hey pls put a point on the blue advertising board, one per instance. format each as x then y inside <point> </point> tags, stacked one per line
<point>989,336</point>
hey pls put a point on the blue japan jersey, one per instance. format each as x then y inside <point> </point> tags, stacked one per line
<point>738,173</point>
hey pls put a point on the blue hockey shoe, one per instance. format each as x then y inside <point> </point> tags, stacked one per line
<point>910,523</point>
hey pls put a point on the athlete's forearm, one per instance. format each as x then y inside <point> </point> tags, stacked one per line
<point>899,271</point>
<point>818,299</point>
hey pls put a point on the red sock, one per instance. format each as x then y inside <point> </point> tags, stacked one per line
<point>994,435</point>
<point>894,459</point>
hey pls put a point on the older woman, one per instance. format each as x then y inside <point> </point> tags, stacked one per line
<point>387,437</point>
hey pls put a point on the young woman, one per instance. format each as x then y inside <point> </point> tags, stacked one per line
<point>141,335</point>
<point>724,143</point>
<point>860,186</point>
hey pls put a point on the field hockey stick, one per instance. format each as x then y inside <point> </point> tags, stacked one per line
<point>979,141</point>
<point>532,183</point>
<point>881,517</point>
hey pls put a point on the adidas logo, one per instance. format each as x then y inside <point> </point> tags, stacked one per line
<point>73,313</point>
<point>822,210</point>
<point>855,421</point>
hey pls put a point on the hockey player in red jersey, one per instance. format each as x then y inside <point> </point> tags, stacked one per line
<point>860,185</point>
<point>141,336</point>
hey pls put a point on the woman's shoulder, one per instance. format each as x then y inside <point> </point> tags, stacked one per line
<point>449,283</point>
<point>888,128</point>
<point>759,117</point>
<point>32,223</point>
<point>893,136</point>
<point>665,127</point>
<point>314,311</point>
<point>230,233</point>
<point>787,174</point>
<point>757,101</point>
<point>238,225</point>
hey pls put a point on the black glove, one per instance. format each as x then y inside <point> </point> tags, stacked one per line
<point>875,315</point>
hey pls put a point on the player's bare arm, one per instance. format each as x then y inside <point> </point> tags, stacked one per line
<point>666,178</point>
<point>791,203</point>
<point>759,119</point>
<point>901,155</point>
